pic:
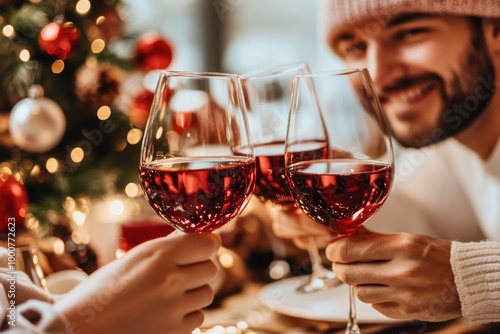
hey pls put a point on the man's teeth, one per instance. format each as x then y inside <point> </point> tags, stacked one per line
<point>409,95</point>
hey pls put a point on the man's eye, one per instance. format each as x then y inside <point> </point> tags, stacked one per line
<point>353,49</point>
<point>359,45</point>
<point>409,33</point>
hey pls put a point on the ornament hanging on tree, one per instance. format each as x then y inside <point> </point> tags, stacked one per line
<point>36,124</point>
<point>14,203</point>
<point>60,39</point>
<point>153,52</point>
<point>97,85</point>
<point>140,106</point>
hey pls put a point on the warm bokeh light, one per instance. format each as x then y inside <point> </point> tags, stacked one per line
<point>226,260</point>
<point>98,45</point>
<point>57,66</point>
<point>132,190</point>
<point>24,55</point>
<point>100,20</point>
<point>240,328</point>
<point>58,246</point>
<point>35,171</point>
<point>82,7</point>
<point>134,136</point>
<point>77,154</point>
<point>103,113</point>
<point>159,133</point>
<point>116,207</point>
<point>8,31</point>
<point>79,217</point>
<point>279,270</point>
<point>52,165</point>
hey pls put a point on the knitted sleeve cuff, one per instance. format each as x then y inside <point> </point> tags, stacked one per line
<point>476,267</point>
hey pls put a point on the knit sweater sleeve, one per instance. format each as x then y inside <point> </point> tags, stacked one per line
<point>476,267</point>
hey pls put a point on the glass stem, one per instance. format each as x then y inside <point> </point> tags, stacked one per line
<point>352,325</point>
<point>316,262</point>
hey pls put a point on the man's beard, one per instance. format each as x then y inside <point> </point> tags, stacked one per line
<point>469,97</point>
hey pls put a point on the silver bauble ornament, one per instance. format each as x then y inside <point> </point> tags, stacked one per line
<point>37,124</point>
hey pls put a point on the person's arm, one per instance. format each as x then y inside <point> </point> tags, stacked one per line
<point>476,266</point>
<point>158,287</point>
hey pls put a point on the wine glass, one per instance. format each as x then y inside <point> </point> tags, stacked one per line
<point>345,187</point>
<point>197,168</point>
<point>268,92</point>
<point>28,261</point>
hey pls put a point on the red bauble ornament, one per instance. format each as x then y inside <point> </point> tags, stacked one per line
<point>153,52</point>
<point>60,39</point>
<point>13,203</point>
<point>140,107</point>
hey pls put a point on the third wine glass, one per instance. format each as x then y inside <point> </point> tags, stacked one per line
<point>346,187</point>
<point>268,92</point>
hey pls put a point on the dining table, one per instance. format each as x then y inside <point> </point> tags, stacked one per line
<point>248,312</point>
<point>249,301</point>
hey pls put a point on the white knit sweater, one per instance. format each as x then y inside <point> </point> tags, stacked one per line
<point>476,267</point>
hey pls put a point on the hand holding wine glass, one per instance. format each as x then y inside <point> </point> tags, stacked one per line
<point>197,167</point>
<point>347,186</point>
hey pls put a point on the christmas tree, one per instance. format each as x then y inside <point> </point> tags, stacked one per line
<point>65,136</point>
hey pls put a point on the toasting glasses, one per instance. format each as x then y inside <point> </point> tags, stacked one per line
<point>338,155</point>
<point>197,167</point>
<point>268,92</point>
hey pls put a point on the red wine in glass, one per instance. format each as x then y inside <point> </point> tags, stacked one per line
<point>271,184</point>
<point>343,192</point>
<point>198,194</point>
<point>197,168</point>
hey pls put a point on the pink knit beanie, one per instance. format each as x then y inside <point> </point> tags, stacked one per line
<point>339,14</point>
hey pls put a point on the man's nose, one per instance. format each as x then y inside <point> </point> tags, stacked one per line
<point>384,64</point>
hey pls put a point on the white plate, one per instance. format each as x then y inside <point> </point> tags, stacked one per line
<point>330,305</point>
<point>61,282</point>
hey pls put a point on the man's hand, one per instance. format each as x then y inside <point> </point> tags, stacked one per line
<point>404,276</point>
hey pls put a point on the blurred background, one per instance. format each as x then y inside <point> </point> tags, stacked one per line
<point>235,35</point>
<point>76,84</point>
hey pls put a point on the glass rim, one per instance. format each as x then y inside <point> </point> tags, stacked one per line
<point>273,70</point>
<point>198,74</point>
<point>339,72</point>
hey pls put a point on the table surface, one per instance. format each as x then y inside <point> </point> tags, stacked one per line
<point>245,308</point>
